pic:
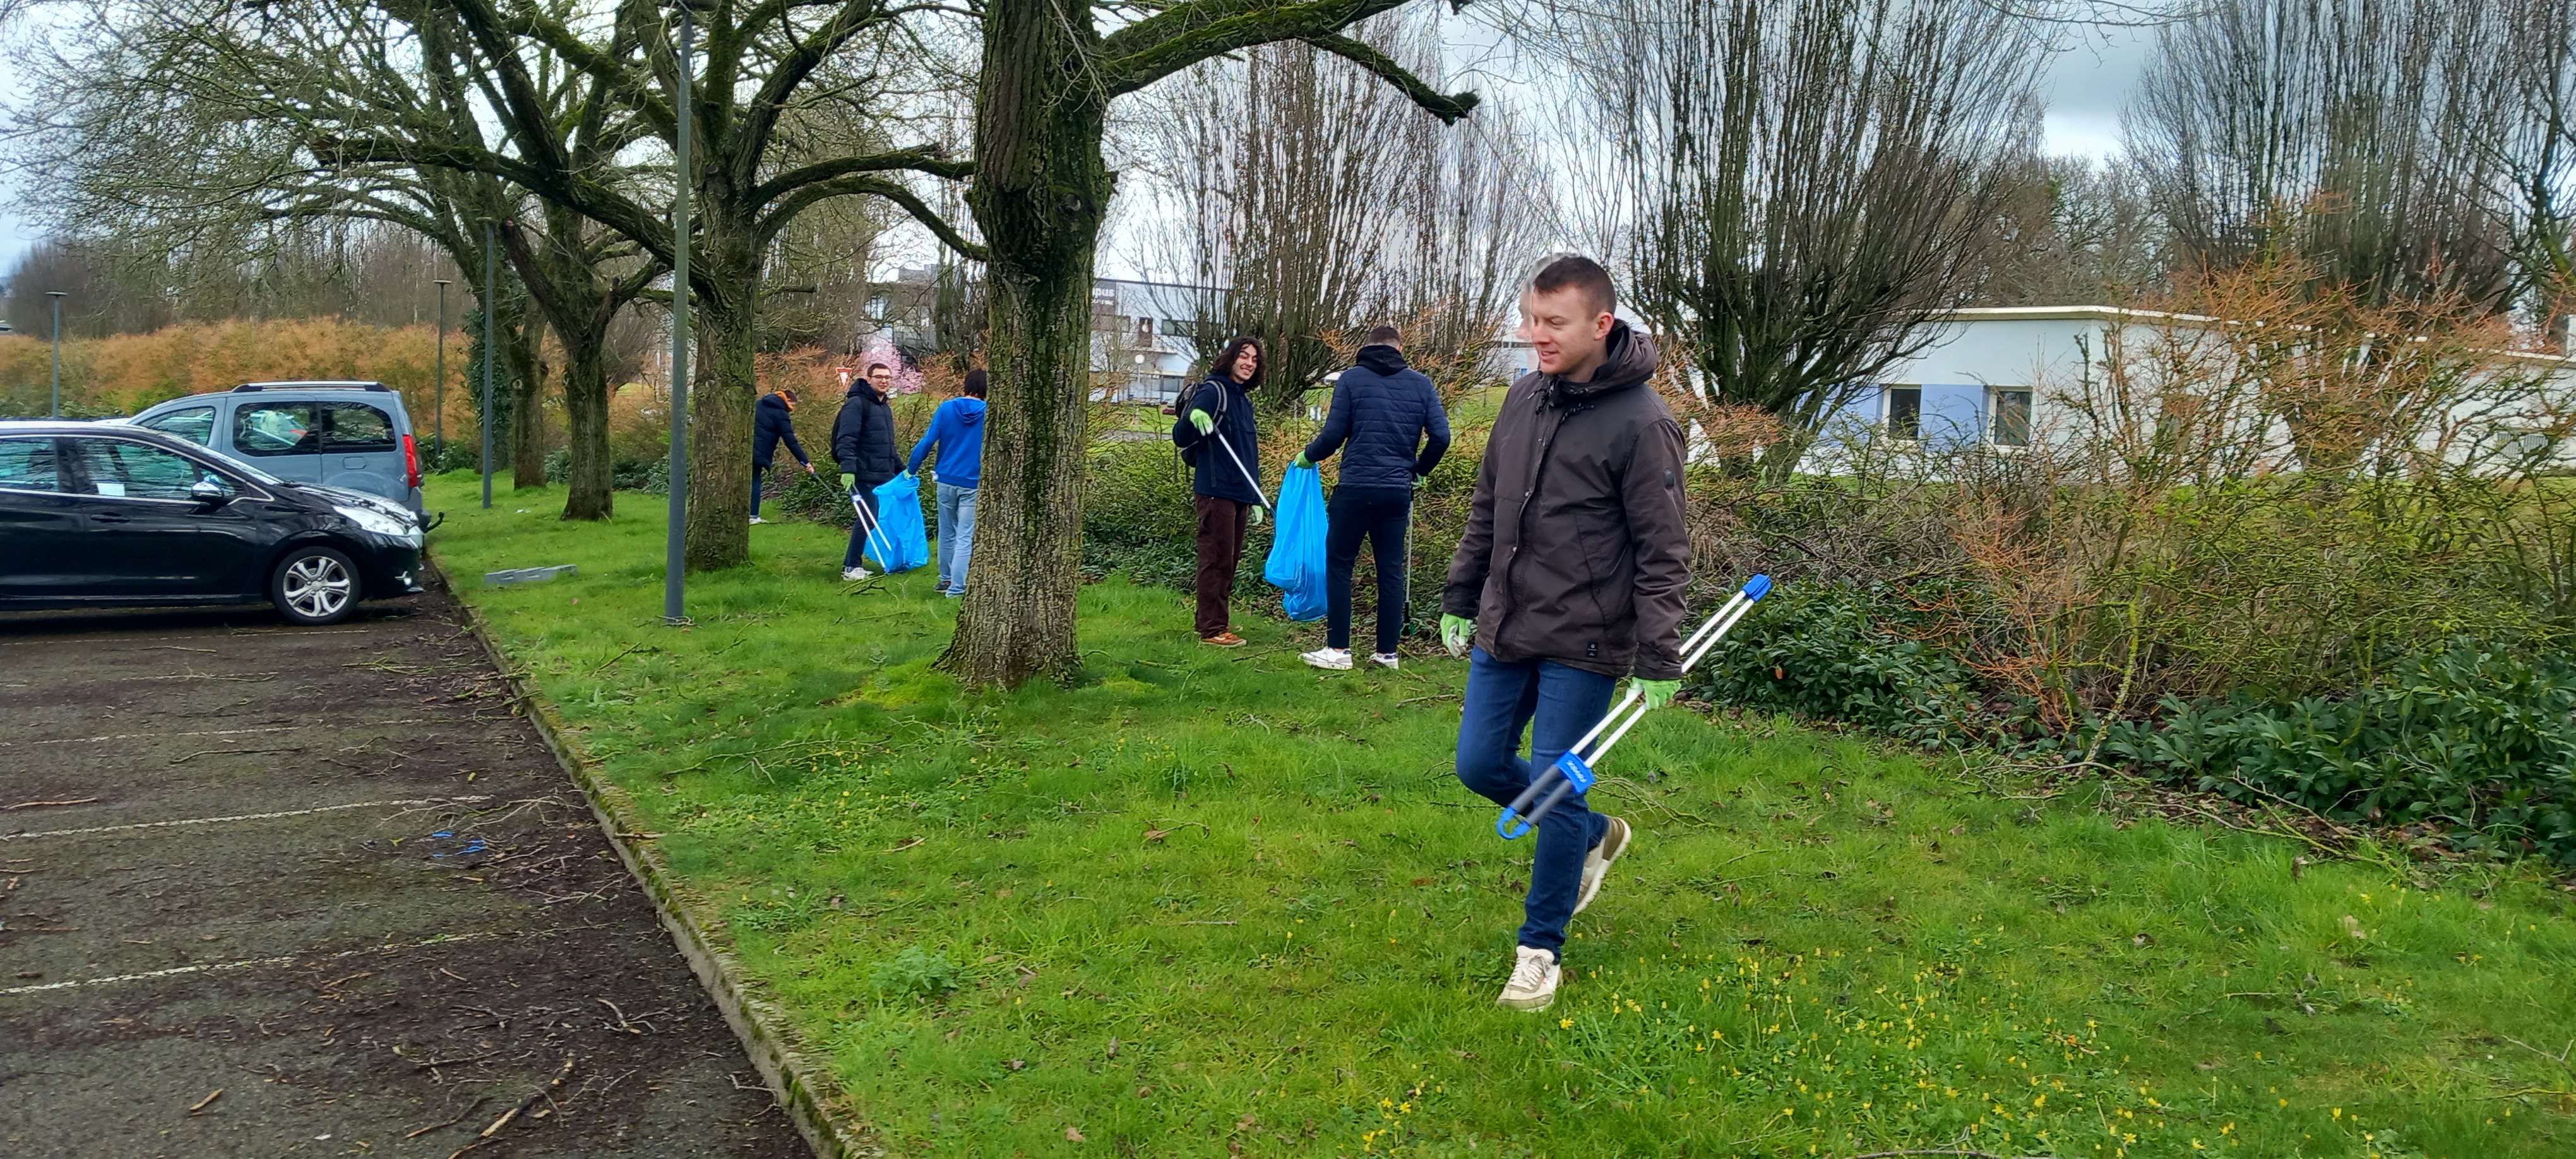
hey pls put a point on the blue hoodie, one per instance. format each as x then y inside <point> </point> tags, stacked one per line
<point>957,429</point>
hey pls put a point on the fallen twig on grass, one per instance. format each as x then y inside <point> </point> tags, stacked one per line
<point>1952,1152</point>
<point>45,804</point>
<point>630,650</point>
<point>754,752</point>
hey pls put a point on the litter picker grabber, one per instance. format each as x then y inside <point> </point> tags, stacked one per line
<point>1574,770</point>
<point>877,540</point>
<point>1248,478</point>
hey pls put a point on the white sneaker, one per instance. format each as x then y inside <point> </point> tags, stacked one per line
<point>757,521</point>
<point>1333,659</point>
<point>1596,864</point>
<point>854,574</point>
<point>1534,978</point>
<point>1384,660</point>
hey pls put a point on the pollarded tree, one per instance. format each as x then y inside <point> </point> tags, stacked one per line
<point>1041,191</point>
<point>1812,182</point>
<point>758,66</point>
<point>2353,135</point>
<point>194,120</point>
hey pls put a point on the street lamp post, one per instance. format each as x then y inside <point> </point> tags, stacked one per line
<point>675,550</point>
<point>491,294</point>
<point>441,416</point>
<point>57,296</point>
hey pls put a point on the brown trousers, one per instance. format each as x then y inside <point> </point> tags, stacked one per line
<point>1222,524</point>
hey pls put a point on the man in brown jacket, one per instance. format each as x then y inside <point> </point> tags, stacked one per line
<point>1570,576</point>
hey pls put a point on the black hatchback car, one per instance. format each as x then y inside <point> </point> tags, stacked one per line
<point>108,515</point>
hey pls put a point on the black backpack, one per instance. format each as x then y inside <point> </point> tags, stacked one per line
<point>1181,408</point>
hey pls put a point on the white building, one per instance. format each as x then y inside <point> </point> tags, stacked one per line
<point>1998,377</point>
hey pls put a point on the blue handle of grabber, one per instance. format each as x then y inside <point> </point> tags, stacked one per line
<point>1577,778</point>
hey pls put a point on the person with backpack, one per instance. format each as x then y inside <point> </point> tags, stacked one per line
<point>1216,418</point>
<point>957,433</point>
<point>1390,417</point>
<point>1570,575</point>
<point>771,421</point>
<point>863,443</point>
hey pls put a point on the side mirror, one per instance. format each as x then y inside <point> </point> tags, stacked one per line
<point>209,494</point>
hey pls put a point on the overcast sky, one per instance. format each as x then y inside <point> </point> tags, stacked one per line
<point>2085,88</point>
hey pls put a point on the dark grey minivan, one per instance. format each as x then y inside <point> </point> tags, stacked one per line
<point>351,435</point>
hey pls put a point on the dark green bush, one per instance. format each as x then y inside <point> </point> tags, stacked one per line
<point>1138,516</point>
<point>1836,651</point>
<point>2473,739</point>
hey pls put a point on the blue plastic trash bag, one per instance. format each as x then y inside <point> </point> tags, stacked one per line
<point>901,542</point>
<point>1296,563</point>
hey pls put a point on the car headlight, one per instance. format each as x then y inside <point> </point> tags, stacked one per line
<point>377,522</point>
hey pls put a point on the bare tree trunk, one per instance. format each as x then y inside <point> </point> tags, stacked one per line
<point>586,491</point>
<point>1040,194</point>
<point>721,396</point>
<point>528,410</point>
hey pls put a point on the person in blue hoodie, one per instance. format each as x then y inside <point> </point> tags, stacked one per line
<point>770,422</point>
<point>957,435</point>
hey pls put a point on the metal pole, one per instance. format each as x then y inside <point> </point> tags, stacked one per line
<point>675,551</point>
<point>57,296</point>
<point>441,417</point>
<point>491,294</point>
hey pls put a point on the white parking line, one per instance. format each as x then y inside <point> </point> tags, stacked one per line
<point>248,963</point>
<point>147,736</point>
<point>465,800</point>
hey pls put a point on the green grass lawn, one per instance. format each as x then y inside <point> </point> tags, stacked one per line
<point>1212,902</point>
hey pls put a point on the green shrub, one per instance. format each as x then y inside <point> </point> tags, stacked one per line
<point>1837,651</point>
<point>1138,516</point>
<point>2470,738</point>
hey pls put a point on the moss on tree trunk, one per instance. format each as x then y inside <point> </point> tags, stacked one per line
<point>1040,192</point>
<point>721,394</point>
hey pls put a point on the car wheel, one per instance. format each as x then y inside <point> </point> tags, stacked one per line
<point>314,585</point>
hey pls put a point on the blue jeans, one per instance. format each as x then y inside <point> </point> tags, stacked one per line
<point>956,536</point>
<point>757,470</point>
<point>1562,702</point>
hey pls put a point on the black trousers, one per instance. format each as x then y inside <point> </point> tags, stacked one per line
<point>1379,515</point>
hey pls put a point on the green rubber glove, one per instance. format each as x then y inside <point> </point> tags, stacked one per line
<point>1302,461</point>
<point>1200,419</point>
<point>849,482</point>
<point>1456,632</point>
<point>1256,515</point>
<point>1658,692</point>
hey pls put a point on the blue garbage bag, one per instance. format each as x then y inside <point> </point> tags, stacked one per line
<point>901,542</point>
<point>1296,563</point>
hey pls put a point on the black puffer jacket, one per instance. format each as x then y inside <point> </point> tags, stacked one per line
<point>1216,474</point>
<point>1576,549</point>
<point>1384,411</point>
<point>863,436</point>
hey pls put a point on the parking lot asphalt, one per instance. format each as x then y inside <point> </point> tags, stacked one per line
<point>278,891</point>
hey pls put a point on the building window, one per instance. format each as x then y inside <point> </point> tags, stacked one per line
<point>2007,416</point>
<point>1144,329</point>
<point>1905,412</point>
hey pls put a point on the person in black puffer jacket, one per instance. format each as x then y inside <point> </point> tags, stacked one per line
<point>863,443</point>
<point>1389,418</point>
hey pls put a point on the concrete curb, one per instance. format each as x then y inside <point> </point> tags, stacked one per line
<point>813,1099</point>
